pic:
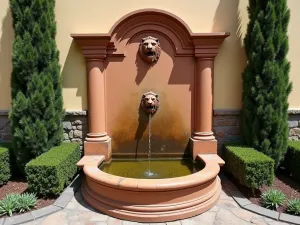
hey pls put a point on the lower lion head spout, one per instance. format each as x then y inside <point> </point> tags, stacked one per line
<point>150,102</point>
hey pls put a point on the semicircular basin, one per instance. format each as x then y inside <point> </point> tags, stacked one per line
<point>151,200</point>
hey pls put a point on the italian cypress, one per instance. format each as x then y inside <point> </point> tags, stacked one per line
<point>266,84</point>
<point>36,89</point>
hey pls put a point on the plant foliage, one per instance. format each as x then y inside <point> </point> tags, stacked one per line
<point>17,203</point>
<point>272,199</point>
<point>50,172</point>
<point>36,89</point>
<point>250,167</point>
<point>266,84</point>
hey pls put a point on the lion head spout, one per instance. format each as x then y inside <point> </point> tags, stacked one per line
<point>149,102</point>
<point>150,49</point>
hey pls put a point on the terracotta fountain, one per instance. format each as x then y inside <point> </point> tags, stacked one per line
<point>150,63</point>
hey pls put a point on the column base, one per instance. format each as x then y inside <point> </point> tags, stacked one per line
<point>98,148</point>
<point>203,147</point>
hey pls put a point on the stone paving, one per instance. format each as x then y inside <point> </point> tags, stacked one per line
<point>225,212</point>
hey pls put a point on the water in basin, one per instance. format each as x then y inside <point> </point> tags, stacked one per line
<point>159,169</point>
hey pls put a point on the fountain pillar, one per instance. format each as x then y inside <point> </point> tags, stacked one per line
<point>94,49</point>
<point>204,97</point>
<point>97,142</point>
<point>203,140</point>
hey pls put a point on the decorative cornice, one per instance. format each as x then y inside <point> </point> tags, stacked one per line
<point>185,43</point>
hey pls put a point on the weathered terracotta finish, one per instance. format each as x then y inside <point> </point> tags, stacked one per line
<point>185,93</point>
<point>151,200</point>
<point>182,77</point>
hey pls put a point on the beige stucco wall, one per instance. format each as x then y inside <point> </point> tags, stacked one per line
<point>96,16</point>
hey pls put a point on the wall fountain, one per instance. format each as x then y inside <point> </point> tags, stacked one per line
<point>169,171</point>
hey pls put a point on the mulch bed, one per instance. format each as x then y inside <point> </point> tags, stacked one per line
<point>282,182</point>
<point>20,185</point>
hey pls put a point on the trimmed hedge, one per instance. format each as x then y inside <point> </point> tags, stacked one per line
<point>5,171</point>
<point>252,168</point>
<point>292,159</point>
<point>50,172</point>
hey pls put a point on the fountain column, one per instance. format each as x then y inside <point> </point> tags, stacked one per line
<point>97,142</point>
<point>94,49</point>
<point>203,140</point>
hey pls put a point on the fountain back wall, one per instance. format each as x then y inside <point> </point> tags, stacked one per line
<point>172,78</point>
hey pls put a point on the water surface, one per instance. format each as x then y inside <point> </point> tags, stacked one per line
<point>159,169</point>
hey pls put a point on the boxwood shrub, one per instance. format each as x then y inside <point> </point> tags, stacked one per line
<point>5,171</point>
<point>292,159</point>
<point>250,167</point>
<point>50,172</point>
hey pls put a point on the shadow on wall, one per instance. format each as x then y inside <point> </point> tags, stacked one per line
<point>6,41</point>
<point>229,65</point>
<point>231,60</point>
<point>74,73</point>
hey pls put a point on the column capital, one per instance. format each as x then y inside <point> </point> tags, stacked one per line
<point>93,46</point>
<point>207,46</point>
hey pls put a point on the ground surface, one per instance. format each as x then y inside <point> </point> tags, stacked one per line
<point>19,185</point>
<point>226,212</point>
<point>282,182</point>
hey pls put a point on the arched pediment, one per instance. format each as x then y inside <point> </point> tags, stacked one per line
<point>155,21</point>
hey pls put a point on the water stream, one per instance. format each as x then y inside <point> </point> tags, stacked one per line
<point>149,173</point>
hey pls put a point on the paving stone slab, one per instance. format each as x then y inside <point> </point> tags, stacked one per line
<point>19,219</point>
<point>75,185</point>
<point>174,223</point>
<point>63,199</point>
<point>45,211</point>
<point>240,198</point>
<point>289,218</point>
<point>262,211</point>
<point>100,223</point>
<point>207,218</point>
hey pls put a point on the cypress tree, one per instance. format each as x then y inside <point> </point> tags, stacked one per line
<point>266,84</point>
<point>36,89</point>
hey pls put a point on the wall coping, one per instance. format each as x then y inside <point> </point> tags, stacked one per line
<point>235,112</point>
<point>217,112</point>
<point>67,112</point>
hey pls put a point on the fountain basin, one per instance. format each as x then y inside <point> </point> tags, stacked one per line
<point>151,200</point>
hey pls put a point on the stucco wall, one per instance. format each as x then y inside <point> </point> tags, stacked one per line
<point>96,16</point>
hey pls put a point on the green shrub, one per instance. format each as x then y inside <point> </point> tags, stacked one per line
<point>266,82</point>
<point>293,206</point>
<point>17,203</point>
<point>50,172</point>
<point>5,171</point>
<point>36,85</point>
<point>252,168</point>
<point>272,199</point>
<point>292,159</point>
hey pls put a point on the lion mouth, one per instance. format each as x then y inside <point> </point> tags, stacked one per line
<point>151,107</point>
<point>150,53</point>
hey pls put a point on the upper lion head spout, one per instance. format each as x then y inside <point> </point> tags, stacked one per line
<point>150,49</point>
